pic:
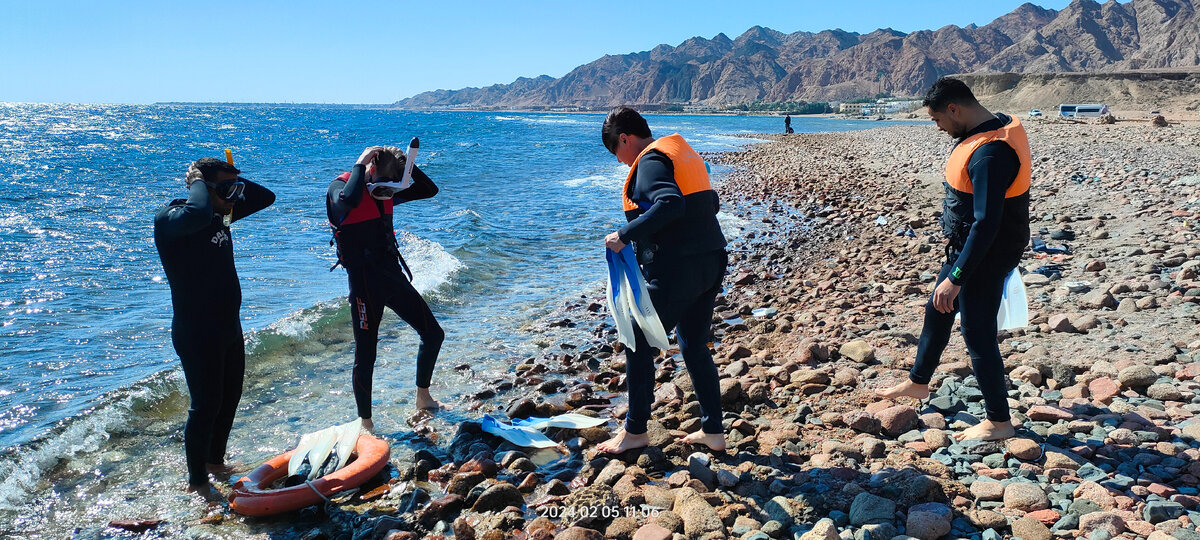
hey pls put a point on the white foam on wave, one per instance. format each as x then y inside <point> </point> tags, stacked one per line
<point>21,470</point>
<point>432,266</point>
<point>504,118</point>
<point>300,323</point>
<point>595,180</point>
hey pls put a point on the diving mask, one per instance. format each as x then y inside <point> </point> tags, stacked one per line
<point>231,190</point>
<point>386,189</point>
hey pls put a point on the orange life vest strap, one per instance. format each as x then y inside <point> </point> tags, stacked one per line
<point>690,173</point>
<point>1014,135</point>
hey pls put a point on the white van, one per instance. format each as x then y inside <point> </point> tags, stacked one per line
<point>1082,111</point>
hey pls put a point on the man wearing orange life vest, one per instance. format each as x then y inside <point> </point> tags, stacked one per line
<point>671,211</point>
<point>985,219</point>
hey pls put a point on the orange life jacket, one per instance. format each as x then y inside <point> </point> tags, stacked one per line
<point>690,173</point>
<point>1014,135</point>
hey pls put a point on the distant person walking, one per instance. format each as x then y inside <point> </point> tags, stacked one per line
<point>985,219</point>
<point>671,210</point>
<point>196,248</point>
<point>359,205</point>
<point>787,123</point>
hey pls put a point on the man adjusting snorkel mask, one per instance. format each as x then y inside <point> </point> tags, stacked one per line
<point>383,187</point>
<point>224,184</point>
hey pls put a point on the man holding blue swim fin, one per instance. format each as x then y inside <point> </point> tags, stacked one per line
<point>671,210</point>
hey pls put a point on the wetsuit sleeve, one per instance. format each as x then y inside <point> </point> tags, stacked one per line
<point>422,188</point>
<point>256,198</point>
<point>344,196</point>
<point>655,183</point>
<point>192,216</point>
<point>992,169</point>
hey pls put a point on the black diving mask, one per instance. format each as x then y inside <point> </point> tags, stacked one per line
<point>231,190</point>
<point>385,188</point>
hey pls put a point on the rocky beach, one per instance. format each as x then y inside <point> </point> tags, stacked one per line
<point>822,306</point>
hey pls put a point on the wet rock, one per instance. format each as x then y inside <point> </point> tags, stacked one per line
<point>463,530</point>
<point>135,525</point>
<point>1025,496</point>
<point>928,521</point>
<point>579,533</point>
<point>499,497</point>
<point>868,508</point>
<point>462,483</point>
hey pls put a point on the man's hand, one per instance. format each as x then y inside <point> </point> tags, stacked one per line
<point>368,155</point>
<point>613,242</point>
<point>944,295</point>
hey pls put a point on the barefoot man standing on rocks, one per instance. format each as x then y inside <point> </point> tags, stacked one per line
<point>672,213</point>
<point>985,217</point>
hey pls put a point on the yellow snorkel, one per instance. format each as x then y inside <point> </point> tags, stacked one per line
<point>228,218</point>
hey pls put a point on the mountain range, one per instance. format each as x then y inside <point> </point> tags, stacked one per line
<point>764,65</point>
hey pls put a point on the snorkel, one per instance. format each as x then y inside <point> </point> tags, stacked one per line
<point>227,219</point>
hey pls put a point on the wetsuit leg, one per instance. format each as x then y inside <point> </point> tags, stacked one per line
<point>639,378</point>
<point>683,293</point>
<point>366,309</point>
<point>692,331</point>
<point>204,372</point>
<point>404,299</point>
<point>935,335</point>
<point>233,375</point>
<point>980,302</point>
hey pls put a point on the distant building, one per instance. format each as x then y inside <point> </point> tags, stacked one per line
<point>698,107</point>
<point>879,107</point>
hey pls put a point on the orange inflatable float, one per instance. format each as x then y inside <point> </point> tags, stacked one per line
<point>252,495</point>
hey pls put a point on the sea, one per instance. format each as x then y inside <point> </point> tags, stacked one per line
<point>92,399</point>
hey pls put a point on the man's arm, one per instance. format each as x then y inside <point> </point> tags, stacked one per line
<point>422,187</point>
<point>993,168</point>
<point>655,183</point>
<point>256,198</point>
<point>189,218</point>
<point>344,196</point>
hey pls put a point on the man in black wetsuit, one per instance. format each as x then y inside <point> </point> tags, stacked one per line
<point>985,219</point>
<point>671,210</point>
<point>196,249</point>
<point>366,244</point>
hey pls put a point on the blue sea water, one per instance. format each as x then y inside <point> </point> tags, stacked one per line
<point>91,397</point>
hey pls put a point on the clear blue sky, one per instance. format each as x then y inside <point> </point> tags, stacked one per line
<point>356,51</point>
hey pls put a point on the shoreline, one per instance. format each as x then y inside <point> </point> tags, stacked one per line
<point>808,440</point>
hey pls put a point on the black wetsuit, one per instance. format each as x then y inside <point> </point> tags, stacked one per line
<point>987,234</point>
<point>368,251</point>
<point>681,250</point>
<point>196,250</point>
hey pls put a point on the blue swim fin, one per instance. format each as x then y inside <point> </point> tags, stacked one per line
<point>641,306</point>
<point>518,435</point>
<point>618,291</point>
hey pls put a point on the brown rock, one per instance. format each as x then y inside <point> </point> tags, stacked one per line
<point>897,420</point>
<point>652,531</point>
<point>580,533</point>
<point>1024,449</point>
<point>1046,413</point>
<point>1104,390</point>
<point>1030,528</point>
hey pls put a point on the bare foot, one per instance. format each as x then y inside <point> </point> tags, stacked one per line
<point>987,430</point>
<point>368,425</point>
<point>623,441</point>
<point>223,470</point>
<point>714,441</point>
<point>905,389</point>
<point>426,401</point>
<point>205,491</point>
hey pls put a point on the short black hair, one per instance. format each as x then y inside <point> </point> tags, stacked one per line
<point>948,90</point>
<point>209,167</point>
<point>623,120</point>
